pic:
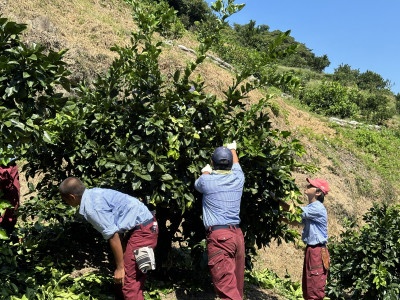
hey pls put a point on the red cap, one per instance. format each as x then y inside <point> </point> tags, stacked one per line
<point>319,183</point>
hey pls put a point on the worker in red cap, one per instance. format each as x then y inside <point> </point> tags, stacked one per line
<point>315,236</point>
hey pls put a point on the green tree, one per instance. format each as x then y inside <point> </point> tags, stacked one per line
<point>329,98</point>
<point>136,132</point>
<point>191,11</point>
<point>253,36</point>
<point>397,97</point>
<point>345,75</point>
<point>376,108</point>
<point>372,81</point>
<point>319,63</point>
<point>365,260</point>
<point>29,79</point>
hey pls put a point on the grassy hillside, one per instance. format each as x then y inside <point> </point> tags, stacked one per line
<point>360,164</point>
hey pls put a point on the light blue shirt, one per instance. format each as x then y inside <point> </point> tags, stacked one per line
<point>111,211</point>
<point>221,197</point>
<point>315,220</point>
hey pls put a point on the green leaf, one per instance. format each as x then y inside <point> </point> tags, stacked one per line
<point>3,235</point>
<point>46,137</point>
<point>136,185</point>
<point>166,177</point>
<point>146,177</point>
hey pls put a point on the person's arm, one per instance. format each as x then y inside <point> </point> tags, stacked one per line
<point>285,206</point>
<point>232,147</point>
<point>235,157</point>
<point>116,247</point>
<point>293,223</point>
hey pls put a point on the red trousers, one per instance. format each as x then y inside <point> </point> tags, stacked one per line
<point>226,262</point>
<point>9,186</point>
<point>134,279</point>
<point>314,274</point>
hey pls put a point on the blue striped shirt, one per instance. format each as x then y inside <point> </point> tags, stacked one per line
<point>111,211</point>
<point>315,220</point>
<point>221,197</point>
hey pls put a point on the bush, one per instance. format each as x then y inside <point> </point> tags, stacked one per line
<point>345,75</point>
<point>376,108</point>
<point>191,11</point>
<point>329,98</point>
<point>372,81</point>
<point>365,262</point>
<point>397,97</point>
<point>30,80</point>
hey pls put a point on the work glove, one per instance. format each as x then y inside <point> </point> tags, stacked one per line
<point>207,168</point>
<point>231,146</point>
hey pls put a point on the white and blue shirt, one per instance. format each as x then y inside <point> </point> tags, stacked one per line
<point>315,220</point>
<point>222,194</point>
<point>111,211</point>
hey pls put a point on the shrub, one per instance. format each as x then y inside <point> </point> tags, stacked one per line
<point>397,97</point>
<point>30,80</point>
<point>376,108</point>
<point>345,75</point>
<point>191,11</point>
<point>372,81</point>
<point>329,98</point>
<point>365,261</point>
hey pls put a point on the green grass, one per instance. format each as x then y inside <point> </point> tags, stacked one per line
<point>269,280</point>
<point>378,151</point>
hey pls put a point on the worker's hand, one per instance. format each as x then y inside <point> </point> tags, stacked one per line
<point>231,146</point>
<point>206,169</point>
<point>119,275</point>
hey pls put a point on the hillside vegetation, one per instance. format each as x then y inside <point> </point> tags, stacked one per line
<point>359,162</point>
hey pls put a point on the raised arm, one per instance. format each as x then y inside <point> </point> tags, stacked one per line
<point>232,147</point>
<point>286,207</point>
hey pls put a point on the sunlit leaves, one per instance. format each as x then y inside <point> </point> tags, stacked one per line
<point>365,260</point>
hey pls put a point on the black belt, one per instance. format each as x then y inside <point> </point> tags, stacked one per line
<point>317,245</point>
<point>144,224</point>
<point>216,227</point>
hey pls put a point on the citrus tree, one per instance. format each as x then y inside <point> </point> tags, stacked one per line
<point>142,133</point>
<point>365,260</point>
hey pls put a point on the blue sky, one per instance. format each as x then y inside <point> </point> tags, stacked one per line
<point>363,34</point>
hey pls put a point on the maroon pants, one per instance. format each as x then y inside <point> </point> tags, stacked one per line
<point>226,262</point>
<point>134,279</point>
<point>314,274</point>
<point>9,186</point>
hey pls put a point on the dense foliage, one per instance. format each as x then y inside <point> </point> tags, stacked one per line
<point>191,11</point>
<point>29,77</point>
<point>329,98</point>
<point>365,261</point>
<point>332,98</point>
<point>365,81</point>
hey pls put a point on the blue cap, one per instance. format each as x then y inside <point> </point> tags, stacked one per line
<point>222,158</point>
